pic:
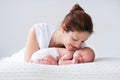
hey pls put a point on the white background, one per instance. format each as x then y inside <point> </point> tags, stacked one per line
<point>17,16</point>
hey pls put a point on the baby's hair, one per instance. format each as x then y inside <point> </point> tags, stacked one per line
<point>90,52</point>
<point>78,20</point>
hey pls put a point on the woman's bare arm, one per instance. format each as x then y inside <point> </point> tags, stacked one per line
<point>31,45</point>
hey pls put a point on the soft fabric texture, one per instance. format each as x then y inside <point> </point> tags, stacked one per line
<point>106,68</point>
<point>44,33</point>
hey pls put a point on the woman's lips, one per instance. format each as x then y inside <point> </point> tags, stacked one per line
<point>73,48</point>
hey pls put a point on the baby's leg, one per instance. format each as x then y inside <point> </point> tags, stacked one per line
<point>50,59</point>
<point>44,62</point>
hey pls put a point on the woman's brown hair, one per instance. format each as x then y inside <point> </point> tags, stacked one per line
<point>78,20</point>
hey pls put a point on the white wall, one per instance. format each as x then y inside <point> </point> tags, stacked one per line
<point>16,17</point>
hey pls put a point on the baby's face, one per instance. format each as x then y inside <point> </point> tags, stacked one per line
<point>83,56</point>
<point>78,55</point>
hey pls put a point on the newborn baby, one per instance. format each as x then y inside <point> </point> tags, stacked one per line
<point>62,56</point>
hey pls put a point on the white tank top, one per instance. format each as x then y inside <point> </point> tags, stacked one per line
<point>44,33</point>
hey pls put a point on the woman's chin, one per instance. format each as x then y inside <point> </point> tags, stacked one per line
<point>70,49</point>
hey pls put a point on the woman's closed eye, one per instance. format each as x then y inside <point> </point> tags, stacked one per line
<point>75,39</point>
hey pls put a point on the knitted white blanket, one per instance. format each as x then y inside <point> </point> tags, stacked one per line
<point>101,69</point>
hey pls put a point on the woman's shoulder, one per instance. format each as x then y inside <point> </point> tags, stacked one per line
<point>44,32</point>
<point>43,25</point>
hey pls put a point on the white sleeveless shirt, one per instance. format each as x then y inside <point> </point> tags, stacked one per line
<point>44,33</point>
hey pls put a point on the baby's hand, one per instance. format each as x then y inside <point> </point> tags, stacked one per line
<point>75,60</point>
<point>76,55</point>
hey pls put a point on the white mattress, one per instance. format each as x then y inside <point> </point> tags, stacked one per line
<point>106,68</point>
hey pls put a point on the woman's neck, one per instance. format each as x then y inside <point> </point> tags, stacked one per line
<point>56,39</point>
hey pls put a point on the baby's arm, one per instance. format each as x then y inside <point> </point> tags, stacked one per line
<point>66,59</point>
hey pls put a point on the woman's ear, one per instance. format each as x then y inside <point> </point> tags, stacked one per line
<point>63,27</point>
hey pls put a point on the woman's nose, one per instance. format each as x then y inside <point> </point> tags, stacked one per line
<point>78,45</point>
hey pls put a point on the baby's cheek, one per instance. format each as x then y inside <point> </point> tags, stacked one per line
<point>81,60</point>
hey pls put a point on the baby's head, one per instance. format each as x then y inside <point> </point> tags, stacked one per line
<point>85,54</point>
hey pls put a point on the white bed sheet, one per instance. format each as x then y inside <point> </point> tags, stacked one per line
<point>106,68</point>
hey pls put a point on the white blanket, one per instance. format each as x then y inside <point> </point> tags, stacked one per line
<point>106,68</point>
<point>16,57</point>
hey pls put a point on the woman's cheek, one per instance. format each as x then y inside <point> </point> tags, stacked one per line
<point>67,40</point>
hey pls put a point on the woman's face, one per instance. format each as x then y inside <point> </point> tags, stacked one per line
<point>74,40</point>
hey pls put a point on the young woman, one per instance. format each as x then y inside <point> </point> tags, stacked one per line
<point>75,29</point>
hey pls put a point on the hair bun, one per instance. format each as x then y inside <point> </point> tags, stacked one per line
<point>76,7</point>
